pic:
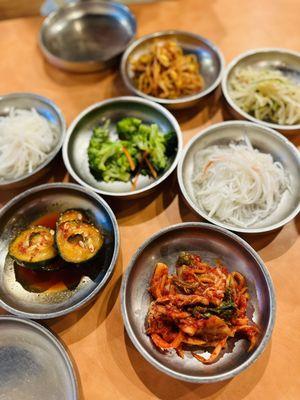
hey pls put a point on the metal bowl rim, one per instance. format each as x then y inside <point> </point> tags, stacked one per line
<point>60,347</point>
<point>271,320</point>
<point>149,103</point>
<point>206,132</point>
<point>47,21</point>
<point>62,134</point>
<point>110,269</point>
<point>181,100</point>
<point>235,107</point>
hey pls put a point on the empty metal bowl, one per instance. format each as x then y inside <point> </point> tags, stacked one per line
<point>87,36</point>
<point>210,59</point>
<point>48,110</point>
<point>265,140</point>
<point>28,354</point>
<point>80,131</point>
<point>286,61</point>
<point>211,243</point>
<point>42,296</point>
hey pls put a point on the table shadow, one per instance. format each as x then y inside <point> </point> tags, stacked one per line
<point>194,117</point>
<point>187,214</point>
<point>132,211</point>
<point>118,87</point>
<point>164,387</point>
<point>261,240</point>
<point>225,110</point>
<point>69,79</point>
<point>257,241</point>
<point>74,365</point>
<point>297,223</point>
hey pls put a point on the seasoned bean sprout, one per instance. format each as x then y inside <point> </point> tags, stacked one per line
<point>266,94</point>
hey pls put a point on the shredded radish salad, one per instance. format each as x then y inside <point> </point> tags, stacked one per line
<point>266,94</point>
<point>237,184</point>
<point>26,139</point>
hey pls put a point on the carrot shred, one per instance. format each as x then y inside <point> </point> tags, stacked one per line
<point>150,166</point>
<point>134,180</point>
<point>129,158</point>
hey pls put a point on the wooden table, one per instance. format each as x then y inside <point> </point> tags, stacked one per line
<point>108,365</point>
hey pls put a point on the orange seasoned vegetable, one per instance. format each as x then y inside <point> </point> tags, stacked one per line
<point>166,72</point>
<point>200,306</point>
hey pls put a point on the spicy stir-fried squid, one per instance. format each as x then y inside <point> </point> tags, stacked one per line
<point>200,305</point>
<point>166,72</point>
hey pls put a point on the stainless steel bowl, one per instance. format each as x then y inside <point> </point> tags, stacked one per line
<point>211,243</point>
<point>287,61</point>
<point>265,140</point>
<point>48,110</point>
<point>210,58</point>
<point>33,363</point>
<point>80,131</point>
<point>87,36</point>
<point>16,296</point>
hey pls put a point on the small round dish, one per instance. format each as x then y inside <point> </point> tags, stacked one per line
<point>210,58</point>
<point>287,61</point>
<point>79,133</point>
<point>46,294</point>
<point>211,243</point>
<point>33,363</point>
<point>87,36</point>
<point>48,110</point>
<point>265,140</point>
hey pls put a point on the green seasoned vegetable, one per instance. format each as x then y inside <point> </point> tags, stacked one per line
<point>225,310</point>
<point>147,138</point>
<point>157,148</point>
<point>141,149</point>
<point>128,127</point>
<point>184,258</point>
<point>107,159</point>
<point>171,143</point>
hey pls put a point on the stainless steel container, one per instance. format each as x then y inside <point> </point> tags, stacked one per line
<point>209,56</point>
<point>287,61</point>
<point>18,295</point>
<point>87,36</point>
<point>265,140</point>
<point>211,243</point>
<point>49,110</point>
<point>80,131</point>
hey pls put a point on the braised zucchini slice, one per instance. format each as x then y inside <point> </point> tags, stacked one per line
<point>72,215</point>
<point>34,247</point>
<point>77,241</point>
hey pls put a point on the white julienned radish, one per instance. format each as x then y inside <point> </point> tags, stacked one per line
<point>26,138</point>
<point>238,184</point>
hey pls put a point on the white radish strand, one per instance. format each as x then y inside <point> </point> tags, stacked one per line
<point>237,184</point>
<point>26,139</point>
